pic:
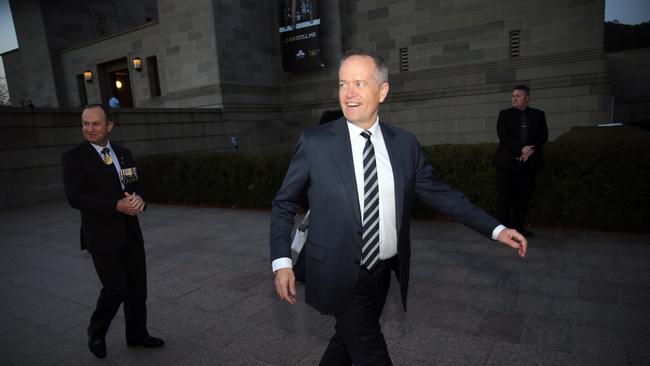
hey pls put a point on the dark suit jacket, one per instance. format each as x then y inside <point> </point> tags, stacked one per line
<point>321,177</point>
<point>94,188</point>
<point>509,132</point>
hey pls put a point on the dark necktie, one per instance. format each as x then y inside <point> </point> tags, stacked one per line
<point>524,128</point>
<point>106,156</point>
<point>370,239</point>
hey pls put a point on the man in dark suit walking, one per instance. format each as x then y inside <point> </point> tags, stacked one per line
<point>522,134</point>
<point>101,181</point>
<point>359,176</point>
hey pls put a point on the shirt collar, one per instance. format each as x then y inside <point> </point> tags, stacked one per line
<point>355,131</point>
<point>100,148</point>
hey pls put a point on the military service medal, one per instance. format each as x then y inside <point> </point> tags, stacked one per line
<point>107,159</point>
<point>129,175</point>
<point>106,156</point>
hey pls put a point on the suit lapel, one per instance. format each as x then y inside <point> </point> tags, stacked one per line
<point>341,150</point>
<point>108,171</point>
<point>399,176</point>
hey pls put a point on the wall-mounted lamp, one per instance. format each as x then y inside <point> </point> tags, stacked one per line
<point>88,76</point>
<point>118,84</point>
<point>137,64</point>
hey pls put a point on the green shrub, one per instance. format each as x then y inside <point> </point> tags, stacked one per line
<point>215,179</point>
<point>467,168</point>
<point>597,178</point>
<point>594,178</point>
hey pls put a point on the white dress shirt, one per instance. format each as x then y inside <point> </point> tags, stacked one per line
<point>387,216</point>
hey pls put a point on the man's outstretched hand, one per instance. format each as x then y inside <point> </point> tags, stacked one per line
<point>285,285</point>
<point>512,238</point>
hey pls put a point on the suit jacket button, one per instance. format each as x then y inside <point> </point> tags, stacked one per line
<point>360,232</point>
<point>356,261</point>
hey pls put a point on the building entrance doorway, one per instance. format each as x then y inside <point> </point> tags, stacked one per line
<point>115,83</point>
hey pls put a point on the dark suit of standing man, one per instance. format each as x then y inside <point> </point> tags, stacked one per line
<point>347,270</point>
<point>522,134</point>
<point>99,182</point>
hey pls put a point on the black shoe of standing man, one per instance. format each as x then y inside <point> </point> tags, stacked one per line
<point>147,342</point>
<point>97,346</point>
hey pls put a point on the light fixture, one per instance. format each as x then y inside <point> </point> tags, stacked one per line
<point>88,76</point>
<point>137,64</point>
<point>118,84</point>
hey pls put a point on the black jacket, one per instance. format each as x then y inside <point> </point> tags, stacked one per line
<point>509,132</point>
<point>94,188</point>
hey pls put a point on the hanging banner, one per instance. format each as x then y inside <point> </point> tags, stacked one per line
<point>299,27</point>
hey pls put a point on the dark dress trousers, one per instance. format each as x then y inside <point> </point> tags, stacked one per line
<point>113,239</point>
<point>515,179</point>
<point>321,177</point>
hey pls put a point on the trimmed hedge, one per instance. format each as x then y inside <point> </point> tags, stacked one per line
<point>597,178</point>
<point>214,179</point>
<point>594,178</point>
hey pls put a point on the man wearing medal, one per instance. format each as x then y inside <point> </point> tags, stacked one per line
<point>101,181</point>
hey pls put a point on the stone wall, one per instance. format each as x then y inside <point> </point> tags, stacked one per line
<point>34,56</point>
<point>450,62</point>
<point>184,43</point>
<point>630,77</point>
<point>459,71</point>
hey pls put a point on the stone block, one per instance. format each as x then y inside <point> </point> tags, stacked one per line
<point>377,14</point>
<point>455,46</point>
<point>426,4</point>
<point>470,56</point>
<point>193,36</point>
<point>580,3</point>
<point>385,45</point>
<point>205,66</point>
<point>173,51</point>
<point>501,76</point>
<point>379,35</point>
<point>441,60</point>
<point>419,39</point>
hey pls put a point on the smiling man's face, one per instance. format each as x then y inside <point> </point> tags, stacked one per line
<point>95,127</point>
<point>360,90</point>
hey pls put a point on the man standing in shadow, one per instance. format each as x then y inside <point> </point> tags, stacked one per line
<point>101,181</point>
<point>359,176</point>
<point>522,134</point>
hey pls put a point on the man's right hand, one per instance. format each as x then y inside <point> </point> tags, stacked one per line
<point>126,206</point>
<point>285,285</point>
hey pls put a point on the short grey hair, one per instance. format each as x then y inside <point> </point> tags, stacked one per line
<point>109,116</point>
<point>381,75</point>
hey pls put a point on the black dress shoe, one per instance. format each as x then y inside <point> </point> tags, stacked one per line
<point>97,346</point>
<point>147,341</point>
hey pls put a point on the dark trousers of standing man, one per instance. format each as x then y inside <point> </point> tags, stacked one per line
<point>123,276</point>
<point>358,338</point>
<point>515,190</point>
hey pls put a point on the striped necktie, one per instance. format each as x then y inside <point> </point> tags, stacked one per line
<point>370,239</point>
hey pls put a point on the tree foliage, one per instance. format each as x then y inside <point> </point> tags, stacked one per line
<point>619,37</point>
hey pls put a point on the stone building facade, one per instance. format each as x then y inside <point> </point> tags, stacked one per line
<point>452,63</point>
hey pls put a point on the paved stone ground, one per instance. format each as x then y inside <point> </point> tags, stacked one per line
<point>579,298</point>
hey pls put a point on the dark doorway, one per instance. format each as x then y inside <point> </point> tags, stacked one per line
<point>115,82</point>
<point>121,87</point>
